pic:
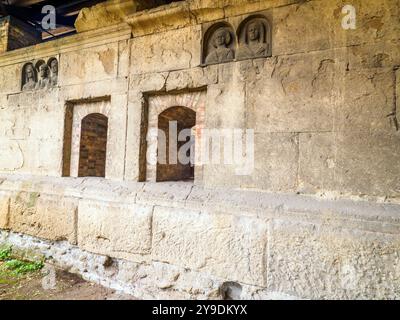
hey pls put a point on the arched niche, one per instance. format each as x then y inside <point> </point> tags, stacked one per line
<point>52,64</point>
<point>255,37</point>
<point>28,77</point>
<point>175,150</point>
<point>219,44</point>
<point>43,74</point>
<point>93,146</point>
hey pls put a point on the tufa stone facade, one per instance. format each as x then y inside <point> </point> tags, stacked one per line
<point>317,218</point>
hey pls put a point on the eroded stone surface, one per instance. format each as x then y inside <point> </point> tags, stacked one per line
<point>213,243</point>
<point>115,230</point>
<point>314,260</point>
<point>52,218</point>
<point>325,113</point>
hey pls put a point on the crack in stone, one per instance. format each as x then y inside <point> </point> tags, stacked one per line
<point>393,115</point>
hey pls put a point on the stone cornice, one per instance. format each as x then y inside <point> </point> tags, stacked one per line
<point>169,17</point>
<point>193,12</point>
<point>71,43</point>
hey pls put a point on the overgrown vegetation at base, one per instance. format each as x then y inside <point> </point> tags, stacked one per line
<point>16,266</point>
<point>5,253</point>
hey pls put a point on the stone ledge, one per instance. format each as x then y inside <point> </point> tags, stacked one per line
<point>216,200</point>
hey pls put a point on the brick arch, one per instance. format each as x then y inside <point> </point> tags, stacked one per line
<point>184,119</point>
<point>93,145</point>
<point>158,104</point>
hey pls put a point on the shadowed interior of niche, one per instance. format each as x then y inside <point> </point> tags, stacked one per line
<point>93,146</point>
<point>171,170</point>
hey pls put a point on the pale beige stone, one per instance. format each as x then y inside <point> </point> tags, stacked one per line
<point>215,243</point>
<point>10,78</point>
<point>4,209</point>
<point>170,50</point>
<point>285,96</point>
<point>317,162</point>
<point>368,163</point>
<point>99,63</point>
<point>190,79</point>
<point>115,230</point>
<point>178,16</point>
<point>226,101</point>
<point>396,112</point>
<point>275,169</point>
<point>104,14</point>
<point>375,22</point>
<point>11,156</point>
<point>364,100</point>
<point>325,113</point>
<point>317,261</point>
<point>39,215</point>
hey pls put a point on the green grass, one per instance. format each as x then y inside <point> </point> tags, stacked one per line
<point>16,266</point>
<point>5,253</point>
<point>19,267</point>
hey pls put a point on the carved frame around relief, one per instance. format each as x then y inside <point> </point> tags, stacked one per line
<point>238,38</point>
<point>39,74</point>
<point>219,44</point>
<point>254,38</point>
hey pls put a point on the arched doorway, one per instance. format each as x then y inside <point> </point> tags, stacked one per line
<point>176,123</point>
<point>93,146</point>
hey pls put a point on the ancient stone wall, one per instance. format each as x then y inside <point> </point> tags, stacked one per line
<point>317,218</point>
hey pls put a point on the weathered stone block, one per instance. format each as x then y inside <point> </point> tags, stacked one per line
<point>10,78</point>
<point>116,230</point>
<point>285,96</point>
<point>87,65</point>
<point>317,162</point>
<point>317,261</point>
<point>117,135</point>
<point>190,79</point>
<point>43,216</point>
<point>11,156</point>
<point>365,99</point>
<point>396,112</point>
<point>214,243</point>
<point>171,50</point>
<point>276,163</point>
<point>158,20</point>
<point>86,91</point>
<point>226,102</point>
<point>4,209</point>
<point>123,58</point>
<point>164,193</point>
<point>104,14</point>
<point>368,163</point>
<point>373,24</point>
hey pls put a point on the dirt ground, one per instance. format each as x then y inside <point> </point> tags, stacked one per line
<point>67,286</point>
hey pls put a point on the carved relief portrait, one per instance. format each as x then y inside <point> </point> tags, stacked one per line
<point>39,75</point>
<point>44,80</point>
<point>53,66</point>
<point>220,45</point>
<point>254,38</point>
<point>29,77</point>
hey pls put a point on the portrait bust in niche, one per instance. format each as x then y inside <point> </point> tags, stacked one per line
<point>254,39</point>
<point>28,77</point>
<point>44,80</point>
<point>221,50</point>
<point>53,65</point>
